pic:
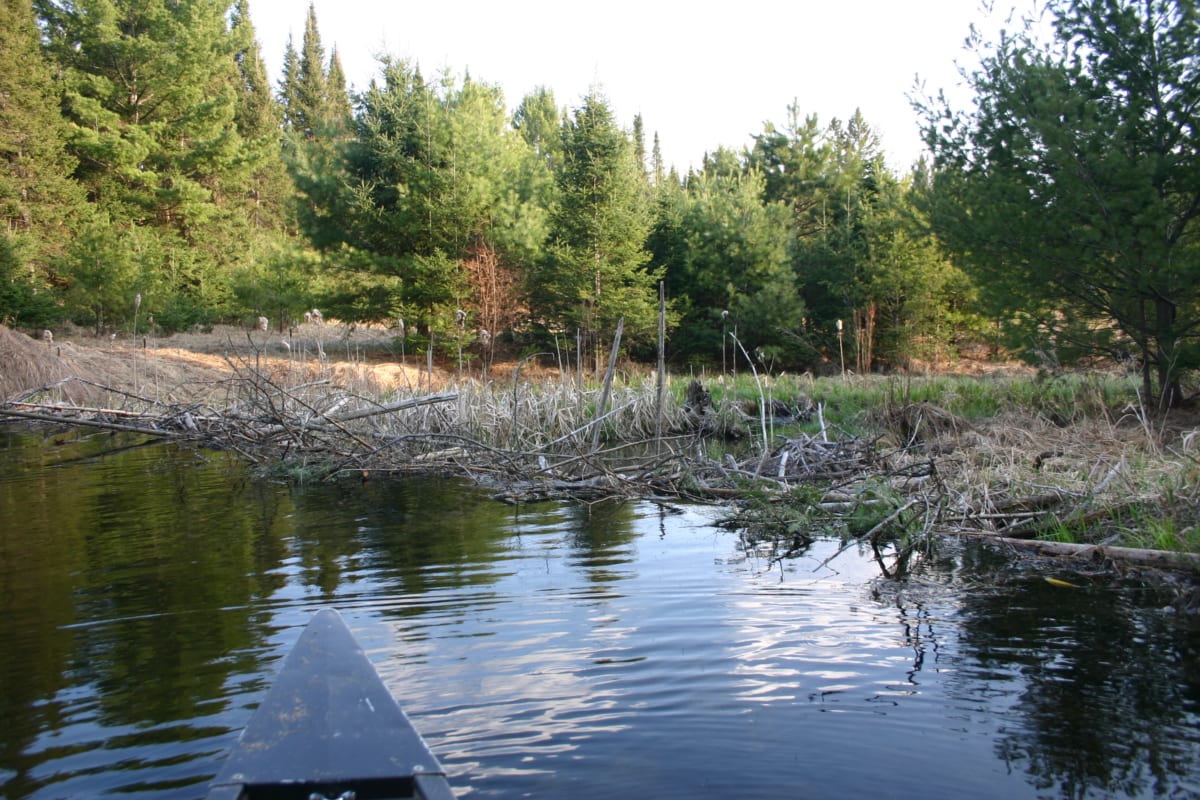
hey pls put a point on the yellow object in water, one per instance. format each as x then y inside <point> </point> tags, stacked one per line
<point>1060,582</point>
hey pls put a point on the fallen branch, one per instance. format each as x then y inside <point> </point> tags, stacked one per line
<point>1159,559</point>
<point>402,405</point>
<point>90,423</point>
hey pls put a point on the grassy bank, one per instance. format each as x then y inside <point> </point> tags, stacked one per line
<point>1073,458</point>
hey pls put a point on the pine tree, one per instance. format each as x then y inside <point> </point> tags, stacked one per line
<point>289,90</point>
<point>272,279</point>
<point>312,94</point>
<point>597,269</point>
<point>538,120</point>
<point>39,204</point>
<point>317,115</point>
<point>730,264</point>
<point>258,114</point>
<point>1072,188</point>
<point>639,142</point>
<point>259,118</point>
<point>152,92</point>
<point>795,160</point>
<point>657,168</point>
<point>340,110</point>
<point>445,195</point>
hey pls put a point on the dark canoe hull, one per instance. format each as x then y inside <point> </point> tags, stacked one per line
<point>329,726</point>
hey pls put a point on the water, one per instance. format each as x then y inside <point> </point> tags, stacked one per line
<point>149,593</point>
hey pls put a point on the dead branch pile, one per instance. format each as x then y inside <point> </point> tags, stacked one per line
<point>929,472</point>
<point>1011,480</point>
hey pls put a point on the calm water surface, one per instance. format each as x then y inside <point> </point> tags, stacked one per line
<point>149,593</point>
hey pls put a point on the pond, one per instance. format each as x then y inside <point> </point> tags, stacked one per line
<point>149,594</point>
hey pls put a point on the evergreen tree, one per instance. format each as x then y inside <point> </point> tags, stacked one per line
<point>312,96</point>
<point>729,263</point>
<point>538,119</point>
<point>837,262</point>
<point>39,205</point>
<point>289,88</point>
<point>258,115</point>
<point>340,110</point>
<point>912,301</point>
<point>597,270</point>
<point>152,92</point>
<point>1072,189</point>
<point>258,118</point>
<point>796,162</point>
<point>317,132</point>
<point>639,142</point>
<point>870,274</point>
<point>273,279</point>
<point>314,90</point>
<point>442,187</point>
<point>657,168</point>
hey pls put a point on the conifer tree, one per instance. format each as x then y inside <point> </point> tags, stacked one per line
<point>289,90</point>
<point>538,119</point>
<point>1072,188</point>
<point>597,267</point>
<point>259,117</point>
<point>312,96</point>
<point>317,115</point>
<point>152,93</point>
<point>340,110</point>
<point>442,192</point>
<point>314,90</point>
<point>272,279</point>
<point>639,142</point>
<point>40,205</point>
<point>657,168</point>
<point>795,162</point>
<point>730,263</point>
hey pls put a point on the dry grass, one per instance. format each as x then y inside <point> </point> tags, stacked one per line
<point>196,367</point>
<point>26,364</point>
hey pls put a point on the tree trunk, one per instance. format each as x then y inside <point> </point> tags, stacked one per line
<point>1147,382</point>
<point>1169,394</point>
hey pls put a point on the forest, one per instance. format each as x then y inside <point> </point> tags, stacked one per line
<point>153,179</point>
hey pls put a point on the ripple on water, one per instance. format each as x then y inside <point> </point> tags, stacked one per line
<point>560,651</point>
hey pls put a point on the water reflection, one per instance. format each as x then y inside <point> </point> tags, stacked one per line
<point>1104,695</point>
<point>147,594</point>
<point>112,578</point>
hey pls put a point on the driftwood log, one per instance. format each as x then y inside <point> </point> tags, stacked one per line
<point>1097,553</point>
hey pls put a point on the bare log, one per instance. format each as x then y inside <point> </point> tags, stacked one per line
<point>1158,559</point>
<point>93,423</point>
<point>413,402</point>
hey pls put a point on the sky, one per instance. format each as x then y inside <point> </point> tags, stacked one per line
<point>701,75</point>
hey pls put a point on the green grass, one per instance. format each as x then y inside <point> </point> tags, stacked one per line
<point>847,402</point>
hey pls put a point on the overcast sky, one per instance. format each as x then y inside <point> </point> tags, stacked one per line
<point>700,74</point>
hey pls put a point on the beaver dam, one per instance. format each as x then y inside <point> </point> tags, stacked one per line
<point>1069,469</point>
